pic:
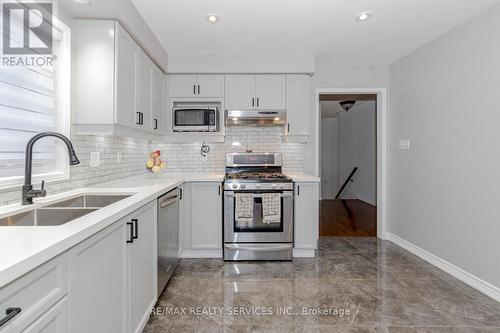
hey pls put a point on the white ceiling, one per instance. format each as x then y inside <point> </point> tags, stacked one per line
<point>325,28</point>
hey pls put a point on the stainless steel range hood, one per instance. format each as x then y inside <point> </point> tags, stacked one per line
<point>256,118</point>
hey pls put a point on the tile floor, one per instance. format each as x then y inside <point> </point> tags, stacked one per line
<point>360,284</point>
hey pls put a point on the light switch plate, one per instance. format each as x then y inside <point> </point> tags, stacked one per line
<point>404,144</point>
<point>95,159</point>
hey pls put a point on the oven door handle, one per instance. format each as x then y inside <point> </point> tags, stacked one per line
<point>238,247</point>
<point>283,195</point>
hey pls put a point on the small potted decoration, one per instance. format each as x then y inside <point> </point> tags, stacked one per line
<point>155,164</point>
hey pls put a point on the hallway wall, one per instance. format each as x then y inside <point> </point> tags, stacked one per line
<point>329,158</point>
<point>358,147</point>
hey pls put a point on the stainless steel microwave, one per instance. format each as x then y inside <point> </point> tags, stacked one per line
<point>195,117</point>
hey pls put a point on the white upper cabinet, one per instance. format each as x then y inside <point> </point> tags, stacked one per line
<point>182,85</point>
<point>191,85</point>
<point>210,85</point>
<point>126,71</point>
<point>112,85</point>
<point>158,100</point>
<point>270,92</point>
<point>240,91</point>
<point>298,115</point>
<point>145,65</point>
<point>255,92</point>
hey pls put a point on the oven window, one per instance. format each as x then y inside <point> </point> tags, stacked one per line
<point>257,224</point>
<point>190,117</point>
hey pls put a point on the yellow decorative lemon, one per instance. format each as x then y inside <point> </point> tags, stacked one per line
<point>156,169</point>
<point>150,164</point>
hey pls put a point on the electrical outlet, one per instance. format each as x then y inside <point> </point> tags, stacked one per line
<point>404,144</point>
<point>119,157</point>
<point>95,159</point>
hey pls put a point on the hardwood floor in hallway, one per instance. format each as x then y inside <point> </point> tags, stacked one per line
<point>347,218</point>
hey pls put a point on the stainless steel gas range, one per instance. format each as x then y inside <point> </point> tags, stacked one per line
<point>258,208</point>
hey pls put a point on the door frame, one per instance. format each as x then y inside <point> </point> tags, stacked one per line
<point>381,146</point>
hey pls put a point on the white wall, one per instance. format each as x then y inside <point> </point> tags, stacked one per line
<point>329,158</point>
<point>444,192</point>
<point>358,148</point>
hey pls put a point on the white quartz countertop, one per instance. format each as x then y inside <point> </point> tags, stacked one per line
<point>23,248</point>
<point>302,177</point>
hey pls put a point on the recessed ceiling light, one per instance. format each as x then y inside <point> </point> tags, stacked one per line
<point>82,1</point>
<point>363,16</point>
<point>212,18</point>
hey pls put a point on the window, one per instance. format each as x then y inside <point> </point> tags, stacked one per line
<point>35,99</point>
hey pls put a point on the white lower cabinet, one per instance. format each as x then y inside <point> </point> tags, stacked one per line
<point>98,282</point>
<point>142,264</point>
<point>306,219</point>
<point>53,321</point>
<point>201,220</point>
<point>113,276</point>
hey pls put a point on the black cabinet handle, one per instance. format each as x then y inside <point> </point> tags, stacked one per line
<point>135,235</point>
<point>131,232</point>
<point>9,314</point>
<point>194,89</point>
<point>138,122</point>
<point>156,123</point>
<point>198,89</point>
<point>288,127</point>
<point>257,102</point>
<point>253,101</point>
<point>219,190</point>
<point>298,189</point>
<point>180,194</point>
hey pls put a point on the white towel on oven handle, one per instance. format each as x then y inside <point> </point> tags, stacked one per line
<point>271,208</point>
<point>244,207</point>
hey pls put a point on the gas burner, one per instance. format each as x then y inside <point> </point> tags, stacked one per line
<point>256,176</point>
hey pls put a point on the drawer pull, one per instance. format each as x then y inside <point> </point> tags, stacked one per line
<point>10,313</point>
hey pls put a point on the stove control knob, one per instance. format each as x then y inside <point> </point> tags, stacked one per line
<point>235,186</point>
<point>243,186</point>
<point>273,186</point>
<point>258,186</point>
<point>282,186</point>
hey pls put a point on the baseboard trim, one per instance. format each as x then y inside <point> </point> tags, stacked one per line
<point>193,254</point>
<point>301,253</point>
<point>484,287</point>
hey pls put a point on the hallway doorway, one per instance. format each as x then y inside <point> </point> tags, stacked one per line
<point>348,165</point>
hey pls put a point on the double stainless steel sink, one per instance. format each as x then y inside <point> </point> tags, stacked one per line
<point>61,212</point>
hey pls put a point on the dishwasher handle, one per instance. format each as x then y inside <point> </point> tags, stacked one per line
<point>165,202</point>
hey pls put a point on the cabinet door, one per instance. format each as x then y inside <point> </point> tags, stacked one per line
<point>240,92</point>
<point>143,114</point>
<point>158,100</point>
<point>98,282</point>
<point>181,85</point>
<point>298,105</point>
<point>125,77</point>
<point>270,91</point>
<point>142,266</point>
<point>206,216</point>
<point>306,216</point>
<point>55,320</point>
<point>210,85</point>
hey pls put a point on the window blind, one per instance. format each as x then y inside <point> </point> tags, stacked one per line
<point>27,107</point>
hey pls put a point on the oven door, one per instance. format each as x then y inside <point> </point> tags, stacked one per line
<point>256,231</point>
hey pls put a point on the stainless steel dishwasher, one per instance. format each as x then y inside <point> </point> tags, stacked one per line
<point>168,237</point>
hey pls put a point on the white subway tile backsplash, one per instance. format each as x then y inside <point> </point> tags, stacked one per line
<point>180,158</point>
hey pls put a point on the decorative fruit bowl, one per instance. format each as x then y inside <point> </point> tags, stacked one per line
<point>155,164</point>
